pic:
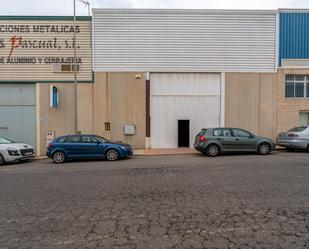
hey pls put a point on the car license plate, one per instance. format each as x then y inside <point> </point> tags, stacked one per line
<point>28,153</point>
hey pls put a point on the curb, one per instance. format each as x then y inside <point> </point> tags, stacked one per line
<point>40,157</point>
<point>157,153</point>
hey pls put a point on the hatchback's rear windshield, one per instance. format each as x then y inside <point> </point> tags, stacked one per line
<point>203,131</point>
<point>298,129</point>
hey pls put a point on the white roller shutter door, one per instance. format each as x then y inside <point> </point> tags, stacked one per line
<point>182,96</point>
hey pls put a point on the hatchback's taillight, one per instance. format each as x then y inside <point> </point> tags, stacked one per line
<point>49,145</point>
<point>202,138</point>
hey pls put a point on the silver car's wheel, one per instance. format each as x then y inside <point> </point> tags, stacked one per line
<point>2,161</point>
<point>213,150</point>
<point>59,157</point>
<point>112,155</point>
<point>264,149</point>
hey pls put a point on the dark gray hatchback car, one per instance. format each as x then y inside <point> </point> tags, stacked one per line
<point>213,141</point>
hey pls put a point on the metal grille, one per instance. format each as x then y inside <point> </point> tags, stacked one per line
<point>26,152</point>
<point>107,126</point>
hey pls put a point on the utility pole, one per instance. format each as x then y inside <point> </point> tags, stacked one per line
<point>75,74</point>
<point>75,64</point>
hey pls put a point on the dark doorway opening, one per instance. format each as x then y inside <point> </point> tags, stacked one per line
<point>183,133</point>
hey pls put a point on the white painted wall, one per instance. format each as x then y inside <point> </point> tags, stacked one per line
<point>173,97</point>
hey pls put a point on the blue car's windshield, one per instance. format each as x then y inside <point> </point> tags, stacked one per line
<point>101,139</point>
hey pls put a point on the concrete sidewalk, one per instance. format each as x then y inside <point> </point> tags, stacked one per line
<point>153,152</point>
<point>164,151</point>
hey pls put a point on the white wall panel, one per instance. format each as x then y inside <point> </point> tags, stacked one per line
<point>169,103</point>
<point>17,112</point>
<point>184,40</point>
<point>185,84</point>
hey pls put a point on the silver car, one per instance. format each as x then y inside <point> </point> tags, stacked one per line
<point>296,138</point>
<point>213,141</point>
<point>11,151</point>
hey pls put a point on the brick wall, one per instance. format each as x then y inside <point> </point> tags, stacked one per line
<point>288,109</point>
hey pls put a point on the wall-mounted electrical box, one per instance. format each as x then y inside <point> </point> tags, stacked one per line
<point>49,136</point>
<point>129,129</point>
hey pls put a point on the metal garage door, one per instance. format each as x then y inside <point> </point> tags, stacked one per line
<point>17,112</point>
<point>182,96</point>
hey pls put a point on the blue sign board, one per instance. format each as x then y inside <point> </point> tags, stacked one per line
<point>53,96</point>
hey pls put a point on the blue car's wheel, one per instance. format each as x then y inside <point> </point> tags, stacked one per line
<point>58,157</point>
<point>112,155</point>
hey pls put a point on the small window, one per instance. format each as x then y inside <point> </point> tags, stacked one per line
<point>217,133</point>
<point>61,140</point>
<point>298,129</point>
<point>289,77</point>
<point>107,126</point>
<point>202,132</point>
<point>226,133</point>
<point>303,119</point>
<point>289,90</point>
<point>88,139</point>
<point>101,139</point>
<point>68,67</point>
<point>299,90</point>
<point>297,86</point>
<point>299,77</point>
<point>72,139</point>
<point>241,133</point>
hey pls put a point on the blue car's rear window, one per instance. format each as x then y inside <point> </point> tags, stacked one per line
<point>61,140</point>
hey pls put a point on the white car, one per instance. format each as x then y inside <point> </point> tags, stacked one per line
<point>11,151</point>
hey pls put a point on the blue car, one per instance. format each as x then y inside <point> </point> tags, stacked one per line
<point>86,146</point>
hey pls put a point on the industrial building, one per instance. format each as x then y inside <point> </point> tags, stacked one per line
<point>156,76</point>
<point>201,68</point>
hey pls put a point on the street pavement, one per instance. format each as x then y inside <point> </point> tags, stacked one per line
<point>158,202</point>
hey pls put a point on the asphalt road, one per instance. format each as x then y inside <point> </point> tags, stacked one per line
<point>190,201</point>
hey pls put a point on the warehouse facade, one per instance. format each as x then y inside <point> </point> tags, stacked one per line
<point>201,68</point>
<point>154,78</point>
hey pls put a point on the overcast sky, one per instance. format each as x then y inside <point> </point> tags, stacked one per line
<point>64,7</point>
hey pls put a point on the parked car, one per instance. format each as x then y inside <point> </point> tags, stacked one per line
<point>296,138</point>
<point>213,141</point>
<point>11,151</point>
<point>86,146</point>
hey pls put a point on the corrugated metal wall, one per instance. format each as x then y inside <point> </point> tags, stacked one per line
<point>294,35</point>
<point>184,40</point>
<point>17,112</point>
